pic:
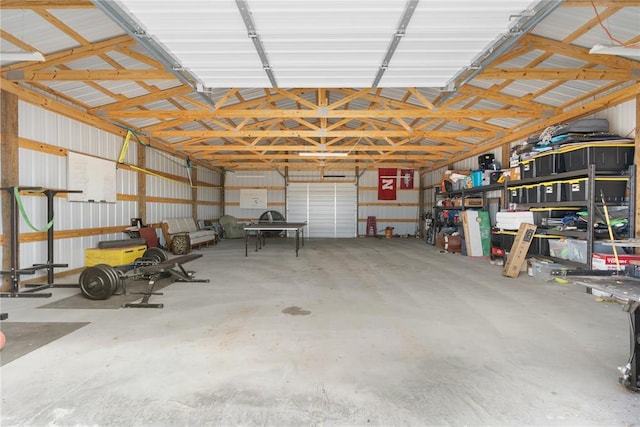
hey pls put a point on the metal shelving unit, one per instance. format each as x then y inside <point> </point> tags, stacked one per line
<point>462,194</point>
<point>592,203</point>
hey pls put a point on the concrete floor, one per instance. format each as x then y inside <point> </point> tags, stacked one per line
<point>353,332</point>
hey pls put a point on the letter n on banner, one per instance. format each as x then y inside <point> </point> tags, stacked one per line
<point>406,179</point>
<point>387,183</point>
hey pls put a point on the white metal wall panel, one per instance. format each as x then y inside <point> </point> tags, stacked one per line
<point>126,182</point>
<point>41,169</point>
<point>156,212</point>
<point>159,160</point>
<point>208,211</point>
<point>234,182</point>
<point>622,118</point>
<point>328,208</point>
<point>165,187</point>
<point>210,191</point>
<point>404,208</point>
<point>471,163</point>
<point>208,176</point>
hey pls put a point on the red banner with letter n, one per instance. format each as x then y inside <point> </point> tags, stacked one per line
<point>406,179</point>
<point>387,180</point>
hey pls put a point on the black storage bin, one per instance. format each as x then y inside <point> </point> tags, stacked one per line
<point>542,246</point>
<point>529,194</point>
<point>550,192</point>
<point>613,189</point>
<point>515,194</point>
<point>539,245</point>
<point>527,169</point>
<point>496,238</point>
<point>485,160</point>
<point>606,157</point>
<point>548,163</point>
<point>507,241</point>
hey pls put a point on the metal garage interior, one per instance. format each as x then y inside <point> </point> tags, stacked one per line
<point>197,106</point>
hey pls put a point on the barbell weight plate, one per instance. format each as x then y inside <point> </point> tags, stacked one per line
<point>113,274</point>
<point>96,283</point>
<point>120,287</point>
<point>156,253</point>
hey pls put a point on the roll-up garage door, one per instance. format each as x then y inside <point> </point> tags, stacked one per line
<point>330,209</point>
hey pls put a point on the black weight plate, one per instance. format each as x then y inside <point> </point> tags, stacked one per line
<point>120,287</point>
<point>96,283</point>
<point>113,274</point>
<point>156,253</point>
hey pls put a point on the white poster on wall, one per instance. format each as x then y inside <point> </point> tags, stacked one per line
<point>95,177</point>
<point>253,198</point>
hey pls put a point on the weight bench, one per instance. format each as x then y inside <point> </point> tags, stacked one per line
<point>170,268</point>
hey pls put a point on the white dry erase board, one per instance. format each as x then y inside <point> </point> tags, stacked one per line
<point>95,177</point>
<point>253,198</point>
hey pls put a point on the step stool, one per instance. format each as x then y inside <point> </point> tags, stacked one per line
<point>371,226</point>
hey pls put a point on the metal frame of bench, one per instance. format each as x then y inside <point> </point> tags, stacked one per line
<point>170,268</point>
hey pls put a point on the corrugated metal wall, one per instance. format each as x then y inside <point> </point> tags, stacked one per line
<point>622,118</point>
<point>403,214</point>
<point>272,181</point>
<point>49,170</point>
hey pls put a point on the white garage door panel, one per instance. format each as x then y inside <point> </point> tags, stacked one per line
<point>346,212</point>
<point>297,203</point>
<point>329,209</point>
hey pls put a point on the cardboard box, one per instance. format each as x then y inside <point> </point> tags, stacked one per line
<point>469,202</point>
<point>608,261</point>
<point>474,202</point>
<point>514,174</point>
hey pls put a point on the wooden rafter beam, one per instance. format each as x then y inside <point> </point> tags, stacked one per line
<point>338,114</point>
<point>46,4</point>
<point>306,164</point>
<point>564,49</point>
<point>556,74</point>
<point>420,97</point>
<point>224,98</point>
<point>316,134</point>
<point>143,99</point>
<point>86,75</point>
<point>347,99</point>
<point>352,156</point>
<point>124,49</point>
<point>495,95</point>
<point>16,41</point>
<point>73,54</point>
<point>53,20</point>
<point>330,148</point>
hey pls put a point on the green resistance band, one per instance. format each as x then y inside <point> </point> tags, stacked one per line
<point>16,194</point>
